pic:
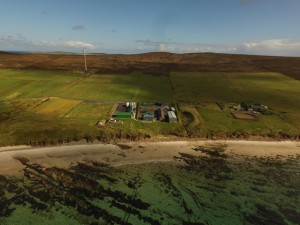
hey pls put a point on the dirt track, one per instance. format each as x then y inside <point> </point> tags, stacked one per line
<point>155,63</point>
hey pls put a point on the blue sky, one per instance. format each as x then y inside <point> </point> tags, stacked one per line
<point>268,27</point>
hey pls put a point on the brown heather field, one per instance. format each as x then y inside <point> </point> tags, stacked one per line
<point>155,63</point>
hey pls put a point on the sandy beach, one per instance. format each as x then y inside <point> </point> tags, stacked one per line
<point>131,152</point>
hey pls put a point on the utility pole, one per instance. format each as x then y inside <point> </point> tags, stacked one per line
<point>85,66</point>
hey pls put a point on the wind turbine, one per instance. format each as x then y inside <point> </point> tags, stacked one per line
<point>85,66</point>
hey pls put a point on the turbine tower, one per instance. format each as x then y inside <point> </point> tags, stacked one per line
<point>85,66</point>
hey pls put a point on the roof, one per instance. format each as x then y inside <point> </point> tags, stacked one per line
<point>171,115</point>
<point>148,116</point>
<point>122,113</point>
<point>148,113</point>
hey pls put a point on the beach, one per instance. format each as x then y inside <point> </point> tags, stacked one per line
<point>125,153</point>
<point>179,182</point>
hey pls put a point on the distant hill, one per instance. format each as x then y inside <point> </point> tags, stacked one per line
<point>154,62</point>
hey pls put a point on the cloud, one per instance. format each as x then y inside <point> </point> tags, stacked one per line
<point>78,44</point>
<point>275,47</point>
<point>278,47</point>
<point>178,47</point>
<point>8,42</point>
<point>78,27</point>
<point>282,47</point>
<point>272,44</point>
<point>73,44</point>
<point>6,38</point>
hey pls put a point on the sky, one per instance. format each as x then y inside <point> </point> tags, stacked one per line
<point>263,27</point>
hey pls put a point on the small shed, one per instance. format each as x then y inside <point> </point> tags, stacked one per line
<point>148,116</point>
<point>172,117</point>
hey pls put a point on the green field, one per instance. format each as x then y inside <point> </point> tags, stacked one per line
<point>113,87</point>
<point>278,92</point>
<point>273,89</point>
<point>218,121</point>
<point>39,107</point>
<point>90,111</point>
<point>30,83</point>
<point>42,107</point>
<point>56,106</point>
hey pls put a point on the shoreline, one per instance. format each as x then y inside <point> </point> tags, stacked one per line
<point>128,153</point>
<point>156,140</point>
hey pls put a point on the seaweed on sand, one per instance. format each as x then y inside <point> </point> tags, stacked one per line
<point>213,163</point>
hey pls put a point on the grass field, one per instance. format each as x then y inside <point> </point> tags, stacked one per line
<point>278,92</point>
<point>90,111</point>
<point>135,87</point>
<point>41,107</point>
<point>56,106</point>
<point>273,89</point>
<point>50,107</point>
<point>27,84</point>
<point>217,121</point>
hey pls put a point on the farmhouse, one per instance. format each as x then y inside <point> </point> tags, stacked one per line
<point>254,108</point>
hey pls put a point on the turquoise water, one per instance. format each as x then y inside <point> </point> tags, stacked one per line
<point>214,188</point>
